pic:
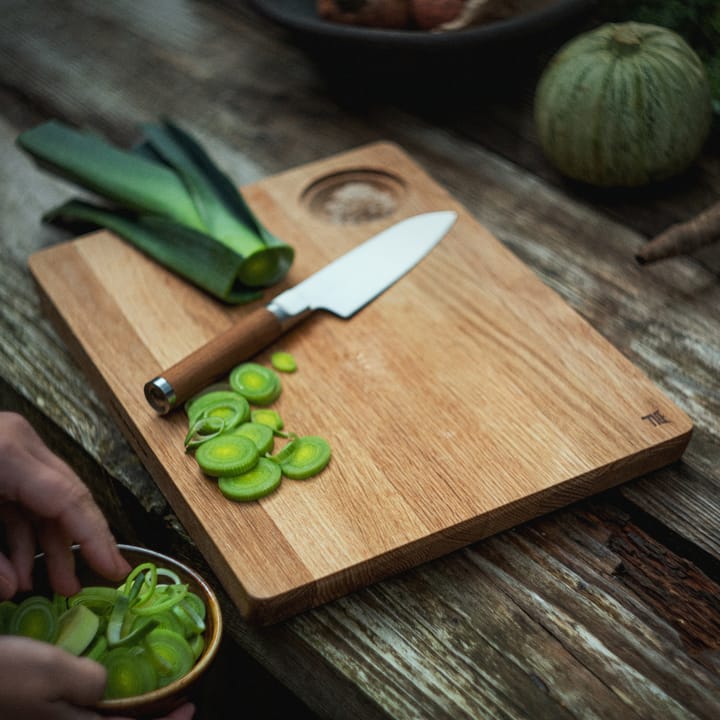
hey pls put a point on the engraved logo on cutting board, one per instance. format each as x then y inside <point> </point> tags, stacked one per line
<point>656,418</point>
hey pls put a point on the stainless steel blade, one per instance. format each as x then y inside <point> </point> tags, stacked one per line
<point>354,279</point>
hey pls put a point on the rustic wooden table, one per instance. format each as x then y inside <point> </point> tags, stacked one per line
<point>609,608</point>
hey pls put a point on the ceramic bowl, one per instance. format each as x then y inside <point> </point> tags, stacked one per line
<point>162,701</point>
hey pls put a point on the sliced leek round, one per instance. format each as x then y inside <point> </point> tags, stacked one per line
<point>260,385</point>
<point>227,455</point>
<point>263,479</point>
<point>303,457</point>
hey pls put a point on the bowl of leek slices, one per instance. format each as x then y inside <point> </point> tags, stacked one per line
<point>156,632</point>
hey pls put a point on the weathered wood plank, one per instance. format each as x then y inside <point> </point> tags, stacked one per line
<point>546,608</point>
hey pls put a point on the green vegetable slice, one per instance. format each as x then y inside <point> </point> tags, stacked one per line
<point>232,413</point>
<point>203,430</point>
<point>196,406</point>
<point>269,417</point>
<point>303,457</point>
<point>254,484</point>
<point>78,627</point>
<point>130,672</point>
<point>123,627</point>
<point>169,574</point>
<point>97,598</point>
<point>7,610</point>
<point>170,621</point>
<point>117,619</point>
<point>194,603</point>
<point>227,455</point>
<point>171,654</point>
<point>258,384</point>
<point>197,645</point>
<point>60,603</point>
<point>283,361</point>
<point>190,614</point>
<point>170,596</point>
<point>261,435</point>
<point>141,582</point>
<point>97,649</point>
<point>35,618</point>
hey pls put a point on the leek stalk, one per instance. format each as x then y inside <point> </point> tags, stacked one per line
<point>169,199</point>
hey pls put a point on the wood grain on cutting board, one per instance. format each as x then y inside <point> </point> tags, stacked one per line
<point>467,398</point>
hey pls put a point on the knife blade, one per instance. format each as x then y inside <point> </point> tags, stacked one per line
<point>342,287</point>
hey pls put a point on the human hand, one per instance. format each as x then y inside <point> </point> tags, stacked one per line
<point>43,502</point>
<point>39,681</point>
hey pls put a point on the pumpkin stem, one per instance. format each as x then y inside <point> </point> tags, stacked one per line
<point>625,39</point>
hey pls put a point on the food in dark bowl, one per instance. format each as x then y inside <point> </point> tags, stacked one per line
<point>156,632</point>
<point>439,15</point>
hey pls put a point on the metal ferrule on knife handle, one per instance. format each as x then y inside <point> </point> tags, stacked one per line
<point>217,357</point>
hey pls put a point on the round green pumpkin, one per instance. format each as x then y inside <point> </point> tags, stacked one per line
<point>623,105</point>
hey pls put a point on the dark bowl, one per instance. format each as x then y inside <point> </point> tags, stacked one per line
<point>162,701</point>
<point>300,16</point>
<point>364,62</point>
<point>301,19</point>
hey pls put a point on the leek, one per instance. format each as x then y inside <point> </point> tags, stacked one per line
<point>168,198</point>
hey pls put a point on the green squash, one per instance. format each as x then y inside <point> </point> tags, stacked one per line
<point>623,105</point>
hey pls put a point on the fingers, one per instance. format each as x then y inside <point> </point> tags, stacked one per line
<point>51,711</point>
<point>86,525</point>
<point>59,559</point>
<point>77,680</point>
<point>20,538</point>
<point>74,517</point>
<point>184,712</point>
<point>37,675</point>
<point>8,579</point>
<point>65,678</point>
<point>65,711</point>
<point>33,477</point>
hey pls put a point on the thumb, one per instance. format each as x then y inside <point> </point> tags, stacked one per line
<point>64,677</point>
<point>77,680</point>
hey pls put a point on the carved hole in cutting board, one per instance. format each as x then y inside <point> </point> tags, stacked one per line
<point>352,197</point>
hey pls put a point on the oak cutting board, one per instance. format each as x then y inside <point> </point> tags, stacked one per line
<point>466,399</point>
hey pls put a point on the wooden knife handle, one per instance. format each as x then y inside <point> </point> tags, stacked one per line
<point>209,362</point>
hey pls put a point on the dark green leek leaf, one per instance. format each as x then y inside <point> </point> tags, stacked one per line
<point>224,211</point>
<point>218,220</point>
<point>186,213</point>
<point>191,254</point>
<point>123,177</point>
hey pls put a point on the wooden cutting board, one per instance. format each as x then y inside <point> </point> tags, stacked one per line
<point>467,398</point>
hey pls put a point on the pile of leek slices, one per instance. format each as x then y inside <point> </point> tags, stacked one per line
<point>232,432</point>
<point>148,632</point>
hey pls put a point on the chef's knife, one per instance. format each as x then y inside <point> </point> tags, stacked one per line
<point>342,287</point>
